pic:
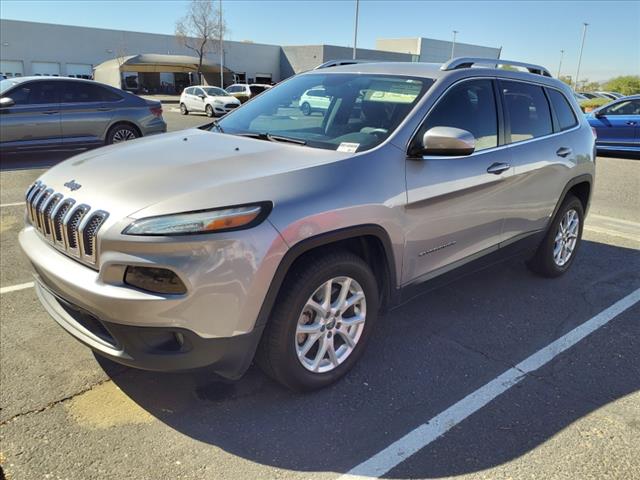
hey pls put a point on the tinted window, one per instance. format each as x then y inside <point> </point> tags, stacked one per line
<point>81,92</point>
<point>527,110</point>
<point>470,106</point>
<point>564,112</point>
<point>34,93</point>
<point>234,89</point>
<point>628,107</point>
<point>256,90</point>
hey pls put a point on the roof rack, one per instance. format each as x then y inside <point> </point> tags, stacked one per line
<point>468,62</point>
<point>337,63</point>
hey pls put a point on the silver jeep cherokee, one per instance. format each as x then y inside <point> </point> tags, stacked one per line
<point>280,236</point>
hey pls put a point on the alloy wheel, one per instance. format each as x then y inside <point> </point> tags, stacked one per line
<point>566,238</point>
<point>330,324</point>
<point>123,135</point>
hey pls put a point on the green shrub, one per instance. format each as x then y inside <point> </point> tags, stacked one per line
<point>594,103</point>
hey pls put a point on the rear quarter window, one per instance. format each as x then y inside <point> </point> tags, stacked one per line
<point>564,113</point>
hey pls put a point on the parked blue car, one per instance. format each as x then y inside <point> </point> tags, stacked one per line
<point>617,125</point>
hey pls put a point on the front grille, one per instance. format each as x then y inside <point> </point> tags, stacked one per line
<point>229,106</point>
<point>71,229</point>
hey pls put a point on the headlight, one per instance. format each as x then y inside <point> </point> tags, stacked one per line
<point>207,221</point>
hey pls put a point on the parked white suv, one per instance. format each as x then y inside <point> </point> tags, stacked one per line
<point>314,100</point>
<point>213,101</point>
<point>244,92</point>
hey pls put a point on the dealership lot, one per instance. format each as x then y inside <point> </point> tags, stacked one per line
<point>67,414</point>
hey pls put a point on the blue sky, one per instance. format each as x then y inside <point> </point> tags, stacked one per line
<point>527,31</point>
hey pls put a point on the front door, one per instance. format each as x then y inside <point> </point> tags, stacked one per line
<point>34,119</point>
<point>616,124</point>
<point>455,206</point>
<point>86,111</point>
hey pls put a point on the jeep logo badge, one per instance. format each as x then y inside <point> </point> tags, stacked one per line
<point>72,185</point>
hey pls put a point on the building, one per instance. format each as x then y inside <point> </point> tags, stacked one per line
<point>30,48</point>
<point>436,51</point>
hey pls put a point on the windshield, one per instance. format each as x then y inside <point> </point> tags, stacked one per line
<point>215,92</point>
<point>7,84</point>
<point>335,111</point>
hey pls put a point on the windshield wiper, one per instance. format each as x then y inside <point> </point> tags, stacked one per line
<point>271,137</point>
<point>209,126</point>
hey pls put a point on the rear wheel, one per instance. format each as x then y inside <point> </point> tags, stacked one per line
<point>209,111</point>
<point>122,132</point>
<point>559,246</point>
<point>321,323</point>
<point>183,109</point>
<point>305,108</point>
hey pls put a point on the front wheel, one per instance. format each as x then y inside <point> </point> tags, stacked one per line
<point>558,249</point>
<point>321,323</point>
<point>209,111</point>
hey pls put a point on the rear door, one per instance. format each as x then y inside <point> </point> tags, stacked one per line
<point>34,120</point>
<point>455,205</point>
<point>540,158</point>
<point>198,100</point>
<point>86,111</point>
<point>616,124</point>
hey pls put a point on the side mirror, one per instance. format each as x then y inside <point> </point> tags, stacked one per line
<point>447,141</point>
<point>6,102</point>
<point>599,114</point>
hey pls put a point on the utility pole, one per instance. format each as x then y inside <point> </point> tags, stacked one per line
<point>560,66</point>
<point>221,46</point>
<point>584,34</point>
<point>355,30</point>
<point>453,45</point>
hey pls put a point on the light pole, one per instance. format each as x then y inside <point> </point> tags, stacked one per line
<point>584,34</point>
<point>560,66</point>
<point>355,30</point>
<point>453,44</point>
<point>221,46</point>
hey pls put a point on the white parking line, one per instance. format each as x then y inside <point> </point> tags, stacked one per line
<point>15,288</point>
<point>423,435</point>
<point>15,204</point>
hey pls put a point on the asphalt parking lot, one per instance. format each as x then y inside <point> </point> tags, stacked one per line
<point>67,414</point>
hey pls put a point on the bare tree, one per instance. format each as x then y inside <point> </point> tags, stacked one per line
<point>201,30</point>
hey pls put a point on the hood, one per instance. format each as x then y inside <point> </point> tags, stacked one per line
<point>183,171</point>
<point>224,98</point>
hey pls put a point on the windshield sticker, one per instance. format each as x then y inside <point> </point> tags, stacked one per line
<point>392,92</point>
<point>348,147</point>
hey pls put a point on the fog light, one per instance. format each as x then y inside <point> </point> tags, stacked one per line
<point>156,280</point>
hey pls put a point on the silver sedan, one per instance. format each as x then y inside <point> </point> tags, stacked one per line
<point>58,113</point>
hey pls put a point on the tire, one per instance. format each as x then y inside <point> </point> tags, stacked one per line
<point>549,260</point>
<point>209,111</point>
<point>305,108</point>
<point>279,350</point>
<point>183,109</point>
<point>122,132</point>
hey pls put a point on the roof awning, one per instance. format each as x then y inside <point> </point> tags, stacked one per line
<point>154,62</point>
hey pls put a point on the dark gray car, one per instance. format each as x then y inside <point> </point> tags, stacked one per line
<point>51,113</point>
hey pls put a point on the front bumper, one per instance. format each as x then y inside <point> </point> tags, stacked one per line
<point>151,348</point>
<point>214,323</point>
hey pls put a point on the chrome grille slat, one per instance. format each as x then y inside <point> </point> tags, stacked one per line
<point>71,228</point>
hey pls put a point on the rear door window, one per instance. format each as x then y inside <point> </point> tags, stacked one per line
<point>564,112</point>
<point>470,106</point>
<point>81,92</point>
<point>527,111</point>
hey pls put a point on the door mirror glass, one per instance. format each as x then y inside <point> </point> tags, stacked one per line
<point>6,102</point>
<point>448,141</point>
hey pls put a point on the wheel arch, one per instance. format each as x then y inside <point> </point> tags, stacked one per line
<point>117,122</point>
<point>580,186</point>
<point>370,242</point>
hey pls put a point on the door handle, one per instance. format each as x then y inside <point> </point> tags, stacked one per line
<point>498,168</point>
<point>50,112</point>
<point>104,109</point>
<point>630,122</point>
<point>564,152</point>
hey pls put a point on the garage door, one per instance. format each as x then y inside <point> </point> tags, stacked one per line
<point>11,68</point>
<point>45,68</point>
<point>79,70</point>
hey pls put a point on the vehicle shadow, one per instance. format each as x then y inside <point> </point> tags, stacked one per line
<point>35,160</point>
<point>425,356</point>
